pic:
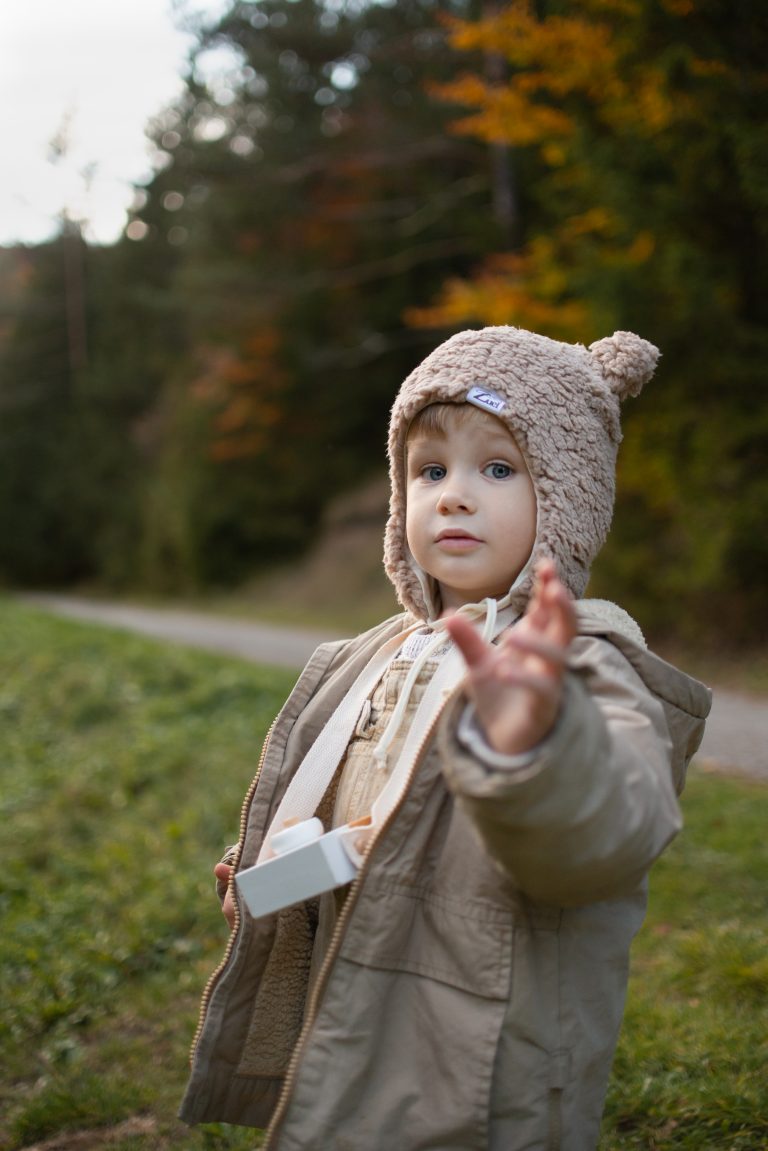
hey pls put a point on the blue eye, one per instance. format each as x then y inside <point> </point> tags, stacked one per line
<point>433,472</point>
<point>498,471</point>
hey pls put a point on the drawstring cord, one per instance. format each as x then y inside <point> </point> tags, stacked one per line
<point>488,608</point>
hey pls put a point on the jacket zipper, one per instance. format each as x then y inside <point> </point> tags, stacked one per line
<point>555,1119</point>
<point>214,978</point>
<point>333,947</point>
<point>216,975</point>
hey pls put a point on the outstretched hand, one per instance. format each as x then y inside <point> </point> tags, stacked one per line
<point>516,684</point>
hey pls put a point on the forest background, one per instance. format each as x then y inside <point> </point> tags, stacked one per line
<point>356,182</point>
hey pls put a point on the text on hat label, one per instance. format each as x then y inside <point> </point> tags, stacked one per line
<point>485,398</point>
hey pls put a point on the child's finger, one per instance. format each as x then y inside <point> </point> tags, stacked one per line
<point>562,622</point>
<point>470,644</point>
<point>551,609</point>
<point>545,569</point>
<point>533,643</point>
<point>545,577</point>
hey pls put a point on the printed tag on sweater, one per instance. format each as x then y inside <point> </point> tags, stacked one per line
<point>485,398</point>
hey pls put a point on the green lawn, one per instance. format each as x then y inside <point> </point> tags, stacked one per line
<point>692,1065</point>
<point>123,766</point>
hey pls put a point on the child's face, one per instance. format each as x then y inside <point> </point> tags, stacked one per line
<point>470,507</point>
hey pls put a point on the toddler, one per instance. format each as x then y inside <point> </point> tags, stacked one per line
<point>509,756</point>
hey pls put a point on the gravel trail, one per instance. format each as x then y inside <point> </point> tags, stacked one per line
<point>736,739</point>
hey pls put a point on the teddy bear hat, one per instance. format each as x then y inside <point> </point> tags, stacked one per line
<point>561,403</point>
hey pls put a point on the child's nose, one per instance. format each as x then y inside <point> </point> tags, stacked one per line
<point>454,499</point>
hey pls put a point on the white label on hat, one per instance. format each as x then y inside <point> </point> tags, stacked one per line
<point>485,398</point>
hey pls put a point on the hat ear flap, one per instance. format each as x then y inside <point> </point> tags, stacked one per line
<point>625,361</point>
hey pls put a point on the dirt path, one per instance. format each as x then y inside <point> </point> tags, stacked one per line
<point>259,642</point>
<point>736,738</point>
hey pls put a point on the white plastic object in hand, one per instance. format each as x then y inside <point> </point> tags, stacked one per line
<point>300,872</point>
<point>296,835</point>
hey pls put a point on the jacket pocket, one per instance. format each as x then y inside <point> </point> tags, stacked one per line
<point>465,944</point>
<point>408,1026</point>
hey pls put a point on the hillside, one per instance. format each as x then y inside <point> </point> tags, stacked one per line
<point>341,581</point>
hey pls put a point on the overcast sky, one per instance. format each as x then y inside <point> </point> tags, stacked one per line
<point>100,69</point>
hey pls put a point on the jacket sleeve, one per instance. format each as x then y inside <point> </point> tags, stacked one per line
<point>587,816</point>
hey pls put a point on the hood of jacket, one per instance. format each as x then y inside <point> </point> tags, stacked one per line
<point>685,701</point>
<point>561,403</point>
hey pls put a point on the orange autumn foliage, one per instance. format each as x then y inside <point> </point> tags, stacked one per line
<point>508,285</point>
<point>241,385</point>
<point>565,76</point>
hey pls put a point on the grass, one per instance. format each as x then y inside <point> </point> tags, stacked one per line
<point>122,767</point>
<point>690,1069</point>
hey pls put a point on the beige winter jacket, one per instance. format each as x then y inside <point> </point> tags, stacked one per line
<point>474,985</point>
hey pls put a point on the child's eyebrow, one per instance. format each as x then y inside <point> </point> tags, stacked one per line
<point>423,441</point>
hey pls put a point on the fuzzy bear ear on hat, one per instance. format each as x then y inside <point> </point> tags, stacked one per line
<point>625,361</point>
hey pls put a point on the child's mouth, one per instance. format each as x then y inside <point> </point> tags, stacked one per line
<point>455,540</point>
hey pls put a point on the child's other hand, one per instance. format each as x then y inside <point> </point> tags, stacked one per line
<point>516,685</point>
<point>222,871</point>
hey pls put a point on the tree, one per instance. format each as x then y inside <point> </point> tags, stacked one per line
<point>40,535</point>
<point>308,193</point>
<point>76,433</point>
<point>638,129</point>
